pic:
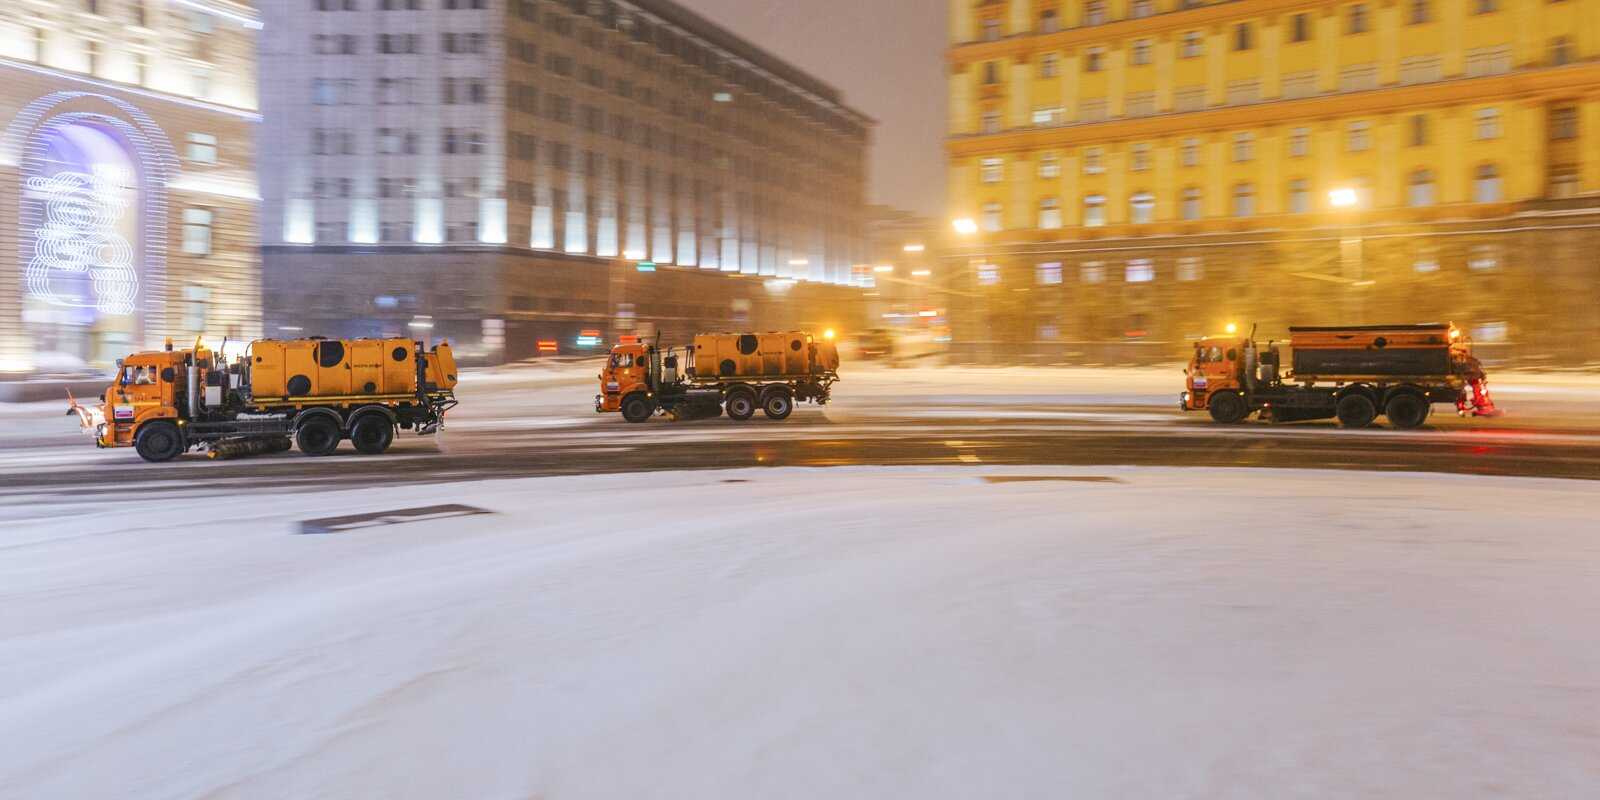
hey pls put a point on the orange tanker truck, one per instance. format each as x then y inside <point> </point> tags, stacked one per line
<point>741,372</point>
<point>314,392</point>
<point>1353,374</point>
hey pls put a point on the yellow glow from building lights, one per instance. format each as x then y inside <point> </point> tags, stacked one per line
<point>883,268</point>
<point>921,273</point>
<point>966,226</point>
<point>914,248</point>
<point>1232,328</point>
<point>799,262</point>
<point>1344,198</point>
<point>828,334</point>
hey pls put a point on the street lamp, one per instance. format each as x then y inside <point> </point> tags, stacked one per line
<point>966,226</point>
<point>1352,258</point>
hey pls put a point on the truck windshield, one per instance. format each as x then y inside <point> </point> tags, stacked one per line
<point>624,360</point>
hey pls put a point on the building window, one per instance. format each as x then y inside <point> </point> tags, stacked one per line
<point>1049,22</point>
<point>196,303</point>
<point>1244,146</point>
<point>1490,332</point>
<point>1140,54</point>
<point>1419,130</point>
<point>1050,166</point>
<point>1356,21</point>
<point>1358,77</point>
<point>1189,152</point>
<point>1563,123</point>
<point>1143,8</point>
<point>1050,214</point>
<point>1194,44</point>
<point>1094,210</point>
<point>1048,273</point>
<point>1300,28</point>
<point>1419,189</point>
<point>1561,51</point>
<point>1421,12</point>
<point>1243,37</point>
<point>1094,109</point>
<point>1483,258</point>
<point>1191,268</point>
<point>1047,116</point>
<point>1563,182</point>
<point>1299,196</point>
<point>1299,84</point>
<point>993,170</point>
<point>1049,65</point>
<point>1483,61</point>
<point>1486,123</point>
<point>991,122</point>
<point>1142,208</point>
<point>1244,92</point>
<point>1358,136</point>
<point>1486,184</point>
<point>988,274</point>
<point>991,73</point>
<point>1094,12</point>
<point>1094,59</point>
<point>1485,6</point>
<point>1244,200</point>
<point>1189,98</point>
<point>1191,203</point>
<point>1420,69</point>
<point>1299,142</point>
<point>1093,161</point>
<point>993,221</point>
<point>1092,272</point>
<point>203,148</point>
<point>1140,270</point>
<point>991,30</point>
<point>1139,104</point>
<point>197,231</point>
<point>1139,157</point>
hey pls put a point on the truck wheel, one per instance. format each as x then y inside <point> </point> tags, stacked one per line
<point>1406,411</point>
<point>741,404</point>
<point>372,434</point>
<point>1356,411</point>
<point>777,405</point>
<point>635,408</point>
<point>158,442</point>
<point>1228,408</point>
<point>318,436</point>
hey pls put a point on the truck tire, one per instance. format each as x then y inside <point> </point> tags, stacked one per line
<point>372,434</point>
<point>1228,408</point>
<point>318,436</point>
<point>741,404</point>
<point>1356,410</point>
<point>777,404</point>
<point>158,442</point>
<point>1406,411</point>
<point>637,408</point>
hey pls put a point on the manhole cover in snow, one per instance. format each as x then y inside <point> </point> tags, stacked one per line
<point>396,517</point>
<point>1049,478</point>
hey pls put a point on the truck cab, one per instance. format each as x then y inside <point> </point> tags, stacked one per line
<point>1215,367</point>
<point>145,389</point>
<point>627,370</point>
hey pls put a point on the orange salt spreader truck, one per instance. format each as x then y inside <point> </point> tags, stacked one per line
<point>1353,374</point>
<point>741,372</point>
<point>314,392</point>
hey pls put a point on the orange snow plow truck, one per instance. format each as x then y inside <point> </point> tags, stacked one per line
<point>313,392</point>
<point>741,372</point>
<point>1353,374</point>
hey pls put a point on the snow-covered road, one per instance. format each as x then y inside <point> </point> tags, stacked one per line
<point>849,633</point>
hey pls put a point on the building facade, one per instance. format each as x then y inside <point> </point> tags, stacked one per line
<point>127,178</point>
<point>1145,171</point>
<point>501,173</point>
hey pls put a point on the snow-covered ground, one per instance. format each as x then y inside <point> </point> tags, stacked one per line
<point>848,633</point>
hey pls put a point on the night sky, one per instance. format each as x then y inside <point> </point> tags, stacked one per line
<point>887,56</point>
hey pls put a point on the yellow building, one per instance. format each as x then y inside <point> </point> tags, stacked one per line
<point>1147,170</point>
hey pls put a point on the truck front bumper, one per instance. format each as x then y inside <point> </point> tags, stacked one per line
<point>1183,401</point>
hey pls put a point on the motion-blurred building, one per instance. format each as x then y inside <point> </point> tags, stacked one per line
<point>127,182</point>
<point>501,173</point>
<point>1143,171</point>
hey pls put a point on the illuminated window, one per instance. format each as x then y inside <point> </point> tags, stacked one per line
<point>1419,189</point>
<point>1142,208</point>
<point>197,231</point>
<point>1050,214</point>
<point>1140,55</point>
<point>1486,184</point>
<point>1140,270</point>
<point>1094,211</point>
<point>1050,166</point>
<point>202,148</point>
<point>1299,142</point>
<point>1483,258</point>
<point>1048,274</point>
<point>1049,65</point>
<point>1189,152</point>
<point>1139,157</point>
<point>993,170</point>
<point>1092,272</point>
<point>1490,332</point>
<point>1563,182</point>
<point>1094,12</point>
<point>988,274</point>
<point>1047,116</point>
<point>1093,161</point>
<point>992,217</point>
<point>1358,136</point>
<point>1191,268</point>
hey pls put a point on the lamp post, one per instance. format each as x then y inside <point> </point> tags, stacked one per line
<point>967,228</point>
<point>1352,258</point>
